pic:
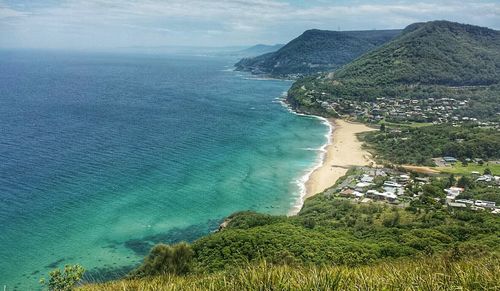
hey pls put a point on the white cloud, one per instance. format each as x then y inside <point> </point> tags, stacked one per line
<point>11,13</point>
<point>224,21</point>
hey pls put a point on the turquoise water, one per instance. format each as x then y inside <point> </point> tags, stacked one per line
<point>103,155</point>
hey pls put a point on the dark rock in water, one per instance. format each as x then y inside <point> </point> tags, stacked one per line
<point>139,246</point>
<point>142,246</point>
<point>55,264</point>
<point>35,272</point>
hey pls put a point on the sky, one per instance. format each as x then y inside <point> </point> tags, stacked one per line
<point>104,24</point>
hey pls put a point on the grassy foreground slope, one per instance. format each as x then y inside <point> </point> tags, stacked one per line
<point>433,273</point>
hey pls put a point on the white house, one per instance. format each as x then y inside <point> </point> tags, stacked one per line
<point>379,195</point>
<point>453,192</point>
<point>484,203</point>
<point>366,178</point>
<point>392,184</point>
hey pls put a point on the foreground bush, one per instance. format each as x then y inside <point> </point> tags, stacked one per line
<point>164,259</point>
<point>64,280</point>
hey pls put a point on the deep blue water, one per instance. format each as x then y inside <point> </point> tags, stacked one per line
<point>103,155</point>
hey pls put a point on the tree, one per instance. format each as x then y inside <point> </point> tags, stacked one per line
<point>392,220</point>
<point>451,181</point>
<point>464,182</point>
<point>64,280</point>
<point>165,259</point>
<point>309,223</point>
<point>433,191</point>
<point>382,127</point>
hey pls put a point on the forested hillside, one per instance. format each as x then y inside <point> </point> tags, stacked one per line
<point>316,51</point>
<point>419,145</point>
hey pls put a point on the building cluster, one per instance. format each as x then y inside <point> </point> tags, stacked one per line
<point>391,186</point>
<point>436,110</point>
<point>453,192</point>
<point>377,184</point>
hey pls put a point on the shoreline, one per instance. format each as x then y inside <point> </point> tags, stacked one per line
<point>303,180</point>
<point>341,151</point>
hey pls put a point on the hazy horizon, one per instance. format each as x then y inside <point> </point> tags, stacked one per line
<point>110,24</point>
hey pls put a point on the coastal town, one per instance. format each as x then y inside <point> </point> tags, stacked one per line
<point>400,188</point>
<point>425,110</point>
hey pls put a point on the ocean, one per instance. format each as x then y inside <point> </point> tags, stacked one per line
<point>103,155</point>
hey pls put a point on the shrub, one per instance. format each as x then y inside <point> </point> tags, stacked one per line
<point>165,259</point>
<point>64,280</point>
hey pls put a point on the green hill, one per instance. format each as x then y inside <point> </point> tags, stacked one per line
<point>432,53</point>
<point>434,59</point>
<point>316,51</point>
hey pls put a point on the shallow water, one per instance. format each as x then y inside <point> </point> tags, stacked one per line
<point>103,155</point>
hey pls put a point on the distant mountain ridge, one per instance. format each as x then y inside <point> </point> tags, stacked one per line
<point>316,51</point>
<point>260,49</point>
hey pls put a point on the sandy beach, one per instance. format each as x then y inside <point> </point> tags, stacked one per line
<point>343,152</point>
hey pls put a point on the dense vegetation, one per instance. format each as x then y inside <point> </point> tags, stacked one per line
<point>432,273</point>
<point>332,236</point>
<point>419,145</point>
<point>435,59</point>
<point>333,231</point>
<point>433,53</point>
<point>316,51</point>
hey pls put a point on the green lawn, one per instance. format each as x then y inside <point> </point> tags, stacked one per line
<point>459,169</point>
<point>409,124</point>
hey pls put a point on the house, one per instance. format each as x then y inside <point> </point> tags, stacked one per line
<point>346,192</point>
<point>484,203</point>
<point>422,180</point>
<point>366,178</point>
<point>466,201</point>
<point>457,205</point>
<point>392,184</point>
<point>381,195</point>
<point>393,190</point>
<point>485,178</point>
<point>453,192</point>
<point>362,185</point>
<point>350,193</point>
<point>450,160</point>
